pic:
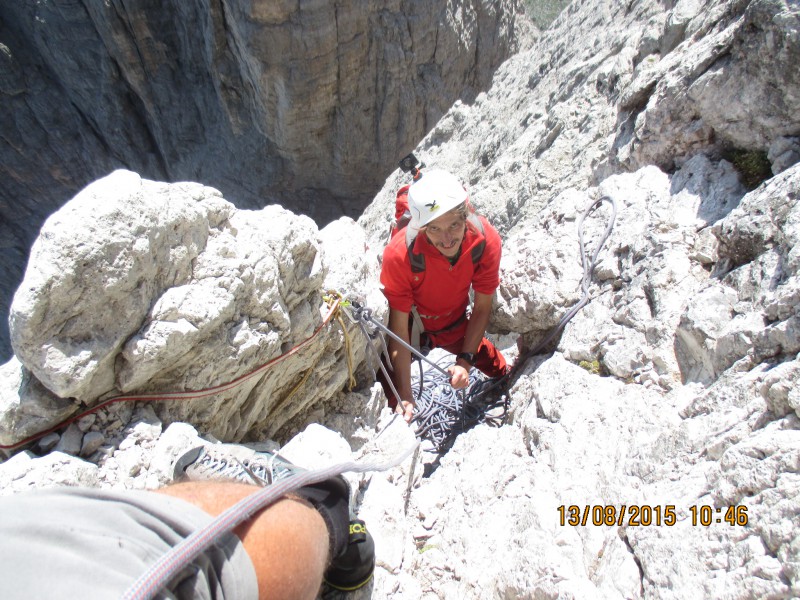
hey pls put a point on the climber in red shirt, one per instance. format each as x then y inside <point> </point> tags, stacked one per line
<point>429,267</point>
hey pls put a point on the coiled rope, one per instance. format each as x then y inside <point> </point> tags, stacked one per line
<point>443,412</point>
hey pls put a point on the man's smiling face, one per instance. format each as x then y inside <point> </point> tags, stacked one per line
<point>447,232</point>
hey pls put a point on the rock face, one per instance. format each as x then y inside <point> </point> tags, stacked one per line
<point>674,388</point>
<point>568,115</point>
<point>309,105</point>
<point>654,452</point>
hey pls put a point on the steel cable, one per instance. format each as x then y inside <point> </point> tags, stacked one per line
<point>588,270</point>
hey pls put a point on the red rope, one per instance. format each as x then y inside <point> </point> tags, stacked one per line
<point>188,395</point>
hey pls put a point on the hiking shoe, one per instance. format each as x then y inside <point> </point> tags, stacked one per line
<point>228,462</point>
<point>353,569</point>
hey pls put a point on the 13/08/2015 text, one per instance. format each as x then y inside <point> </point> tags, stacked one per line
<point>646,515</point>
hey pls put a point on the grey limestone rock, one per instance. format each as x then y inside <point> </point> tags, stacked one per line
<point>71,441</point>
<point>26,406</point>
<point>97,266</point>
<point>668,402</point>
<point>25,471</point>
<point>91,443</point>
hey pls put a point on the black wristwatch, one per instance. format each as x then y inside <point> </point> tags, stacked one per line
<point>469,357</point>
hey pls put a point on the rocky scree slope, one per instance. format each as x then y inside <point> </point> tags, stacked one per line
<point>676,387</point>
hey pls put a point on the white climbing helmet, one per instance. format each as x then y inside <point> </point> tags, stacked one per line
<point>435,193</point>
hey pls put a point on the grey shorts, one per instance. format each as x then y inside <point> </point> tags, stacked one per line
<point>88,543</point>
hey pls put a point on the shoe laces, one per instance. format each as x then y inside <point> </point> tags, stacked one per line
<point>258,469</point>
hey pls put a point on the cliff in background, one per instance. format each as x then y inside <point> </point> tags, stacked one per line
<point>309,105</point>
<point>671,398</point>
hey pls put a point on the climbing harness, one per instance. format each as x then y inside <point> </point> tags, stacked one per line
<point>181,556</point>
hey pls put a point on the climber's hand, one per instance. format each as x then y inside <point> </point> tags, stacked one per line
<point>459,376</point>
<point>405,408</point>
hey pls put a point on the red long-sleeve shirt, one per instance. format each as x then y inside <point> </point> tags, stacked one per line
<point>441,292</point>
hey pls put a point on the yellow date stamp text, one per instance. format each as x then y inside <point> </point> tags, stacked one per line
<point>646,515</point>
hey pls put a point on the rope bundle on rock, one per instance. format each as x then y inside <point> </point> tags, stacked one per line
<point>442,413</point>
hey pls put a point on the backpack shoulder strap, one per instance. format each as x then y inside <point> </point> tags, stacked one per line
<point>417,260</point>
<point>477,251</point>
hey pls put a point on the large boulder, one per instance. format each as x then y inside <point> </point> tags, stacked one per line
<point>143,287</point>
